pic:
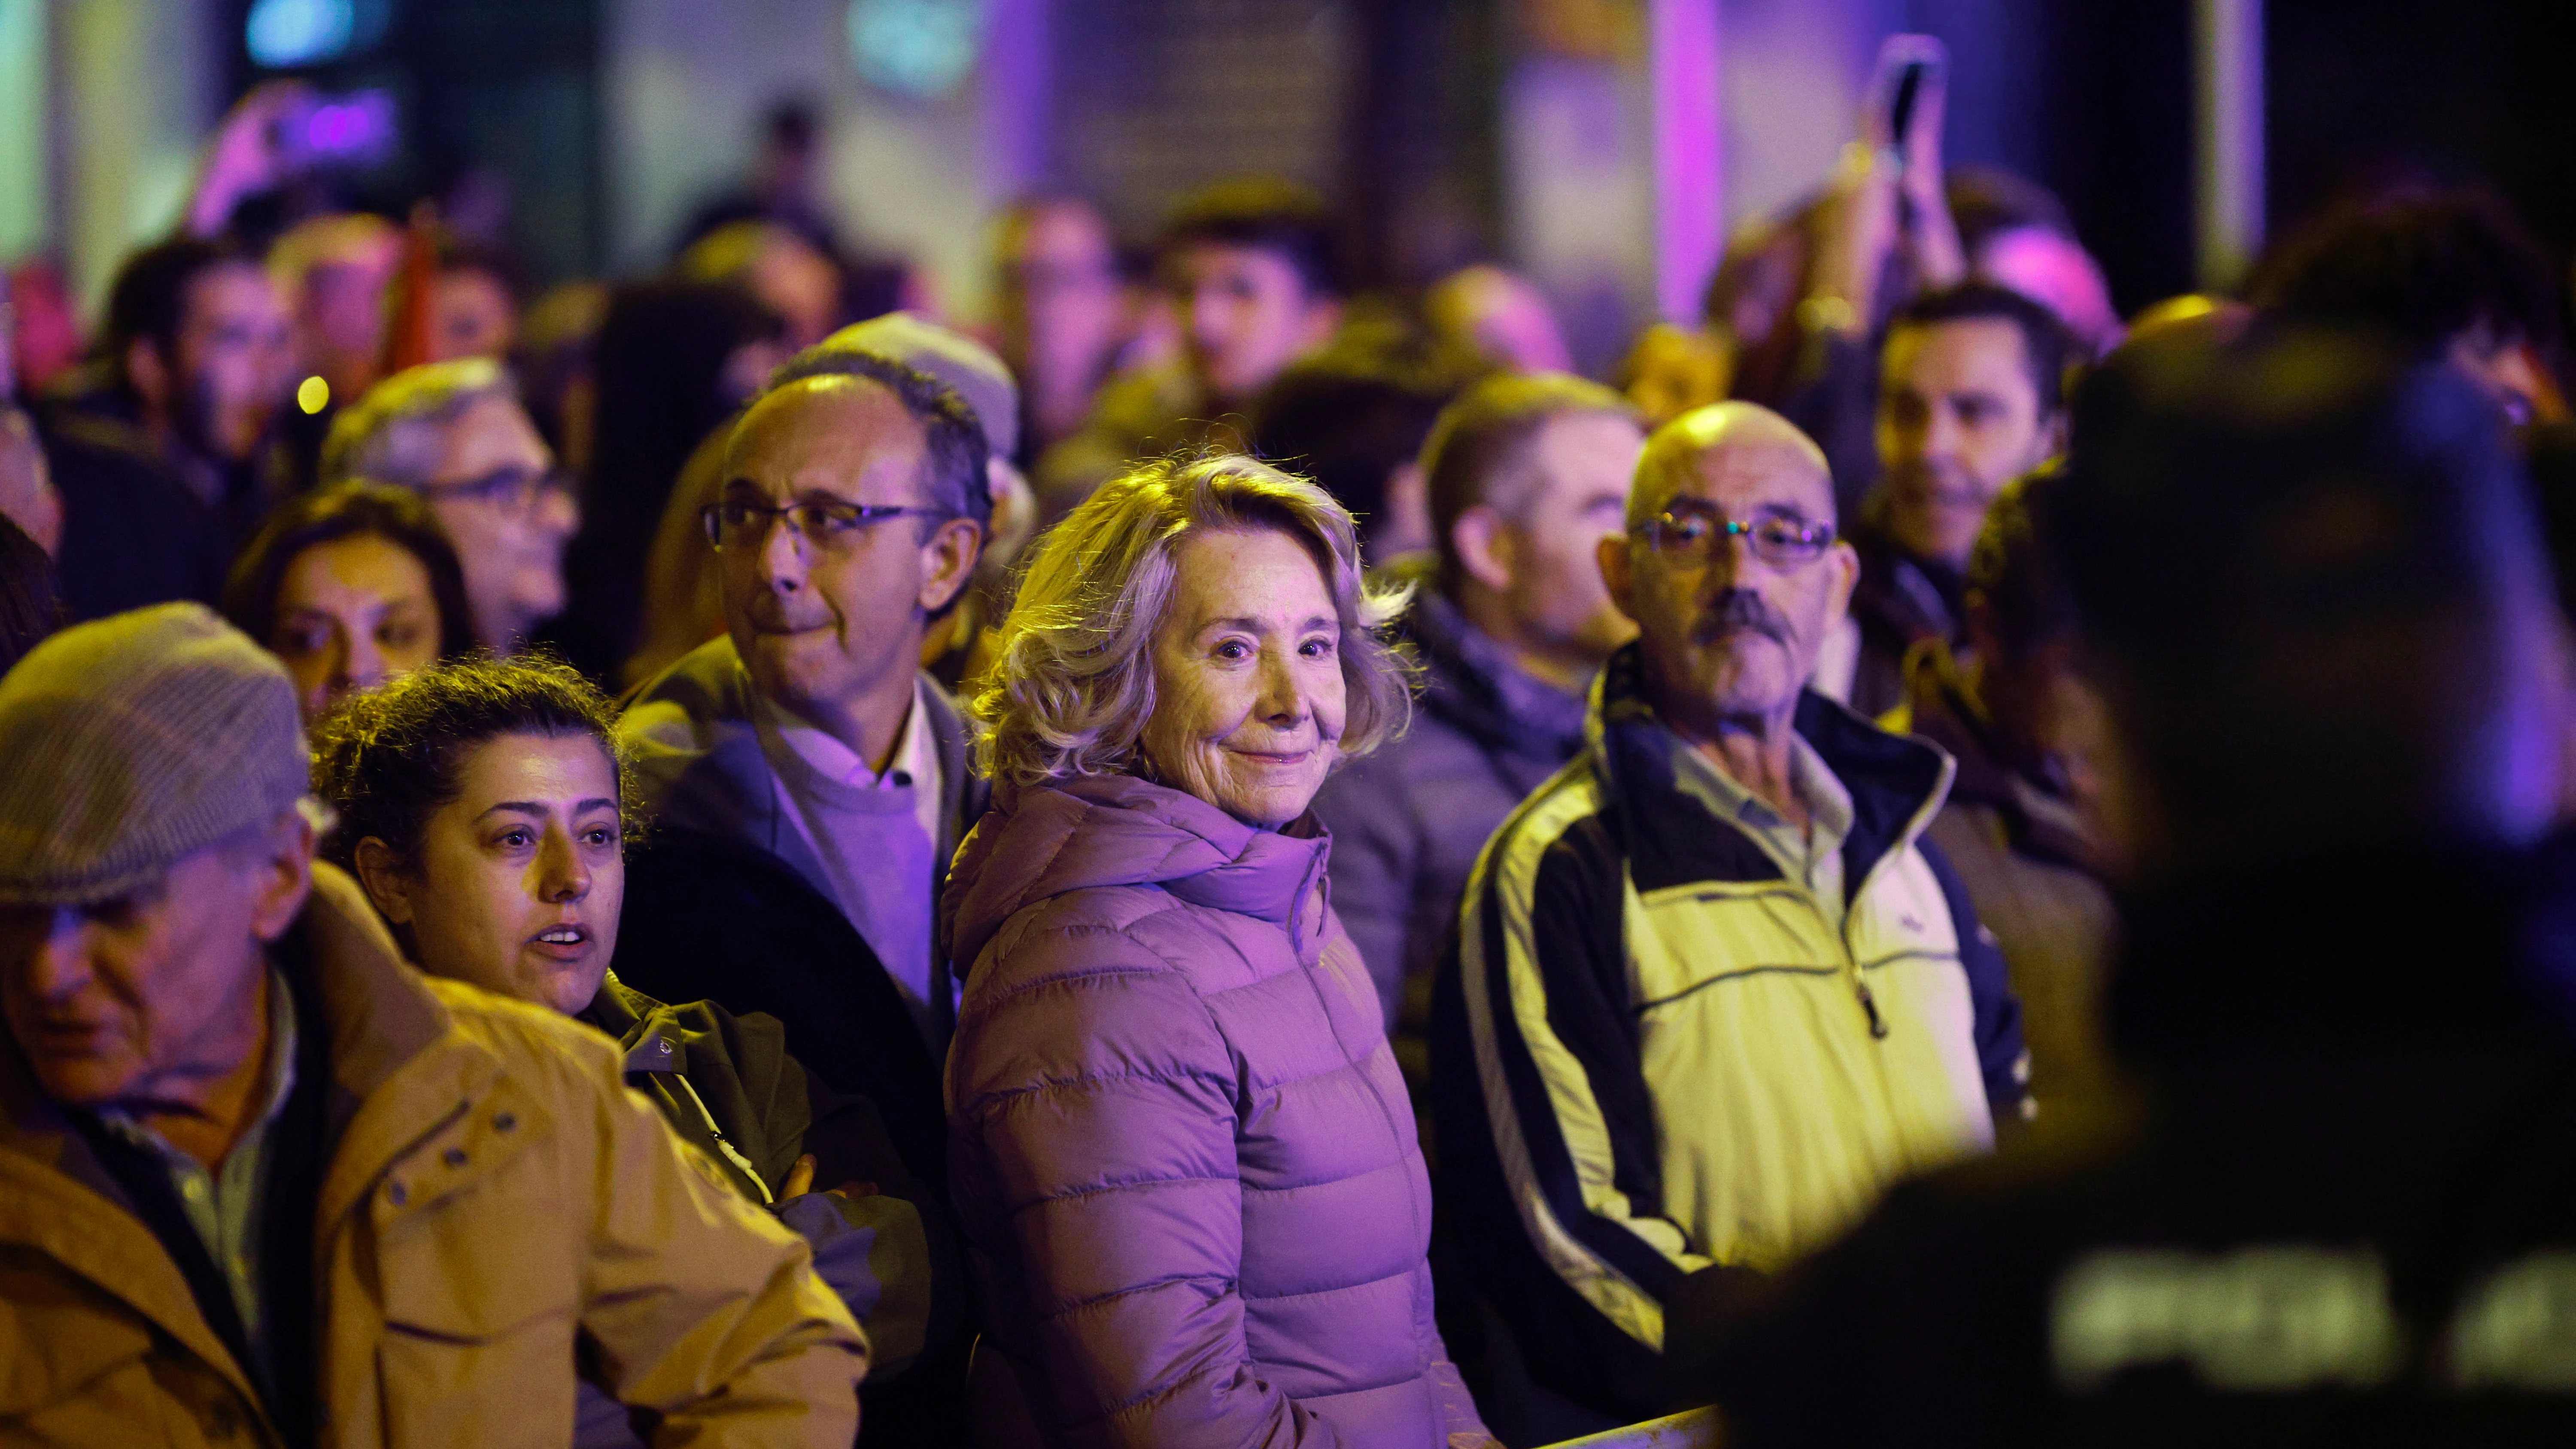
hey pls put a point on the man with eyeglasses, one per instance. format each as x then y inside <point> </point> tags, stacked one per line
<point>1713,991</point>
<point>808,782</point>
<point>455,433</point>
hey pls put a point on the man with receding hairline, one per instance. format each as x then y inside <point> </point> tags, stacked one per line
<point>1712,992</point>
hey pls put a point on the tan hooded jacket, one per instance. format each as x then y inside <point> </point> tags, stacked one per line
<point>493,1193</point>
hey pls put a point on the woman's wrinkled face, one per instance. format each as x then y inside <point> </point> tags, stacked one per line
<point>521,876</point>
<point>1248,690</point>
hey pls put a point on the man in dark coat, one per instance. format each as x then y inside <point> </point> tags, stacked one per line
<point>807,783</point>
<point>1510,621</point>
<point>2342,1207</point>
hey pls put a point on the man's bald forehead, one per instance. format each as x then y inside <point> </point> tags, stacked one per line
<point>827,397</point>
<point>1723,434</point>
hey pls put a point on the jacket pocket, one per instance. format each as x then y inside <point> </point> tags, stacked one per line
<point>482,1294</point>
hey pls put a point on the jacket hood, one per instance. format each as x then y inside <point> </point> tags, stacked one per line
<point>1040,842</point>
<point>1472,684</point>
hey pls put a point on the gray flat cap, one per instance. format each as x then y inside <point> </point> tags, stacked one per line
<point>132,741</point>
<point>965,366</point>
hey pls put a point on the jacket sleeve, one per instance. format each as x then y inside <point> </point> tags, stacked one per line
<point>2001,1056</point>
<point>1373,863</point>
<point>1543,975</point>
<point>1096,1111</point>
<point>700,1308</point>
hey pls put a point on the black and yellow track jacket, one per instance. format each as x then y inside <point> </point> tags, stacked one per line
<point>1655,1055</point>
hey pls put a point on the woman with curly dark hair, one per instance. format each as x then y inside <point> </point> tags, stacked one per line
<point>483,804</point>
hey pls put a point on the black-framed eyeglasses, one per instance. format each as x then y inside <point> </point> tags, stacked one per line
<point>1695,531</point>
<point>516,489</point>
<point>735,523</point>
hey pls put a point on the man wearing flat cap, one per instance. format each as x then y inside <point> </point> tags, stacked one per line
<point>260,1181</point>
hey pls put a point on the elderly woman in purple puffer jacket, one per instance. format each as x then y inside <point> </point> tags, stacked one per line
<point>1181,1146</point>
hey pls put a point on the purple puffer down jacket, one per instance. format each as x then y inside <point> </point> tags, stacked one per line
<point>1182,1150</point>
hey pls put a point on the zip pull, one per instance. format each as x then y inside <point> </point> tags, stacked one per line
<point>1869,1003</point>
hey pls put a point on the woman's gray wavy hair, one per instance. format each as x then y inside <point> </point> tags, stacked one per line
<point>1072,682</point>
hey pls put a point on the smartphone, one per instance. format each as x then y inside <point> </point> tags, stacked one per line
<point>354,130</point>
<point>1909,88</point>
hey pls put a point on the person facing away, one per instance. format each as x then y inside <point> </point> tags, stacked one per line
<point>261,1180</point>
<point>350,586</point>
<point>1713,989</point>
<point>1192,1193</point>
<point>454,433</point>
<point>2450,274</point>
<point>1251,270</point>
<point>1970,397</point>
<point>808,782</point>
<point>2023,824</point>
<point>1509,621</point>
<point>483,805</point>
<point>2341,1208</point>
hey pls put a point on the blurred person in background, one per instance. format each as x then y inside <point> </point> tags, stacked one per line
<point>1353,418</point>
<point>473,303</point>
<point>2450,273</point>
<point>557,368</point>
<point>808,781</point>
<point>28,497</point>
<point>1061,313</point>
<point>1251,269</point>
<point>1971,395</point>
<point>1144,927</point>
<point>454,433</point>
<point>351,586</point>
<point>2023,825</point>
<point>781,186</point>
<point>45,333</point>
<point>779,267</point>
<point>2338,740</point>
<point>138,439</point>
<point>673,362</point>
<point>31,605</point>
<point>484,806</point>
<point>1713,990</point>
<point>2018,236</point>
<point>198,360</point>
<point>1486,318</point>
<point>333,272</point>
<point>1673,370</point>
<point>1509,620</point>
<point>244,1144</point>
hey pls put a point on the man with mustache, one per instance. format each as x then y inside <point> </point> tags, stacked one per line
<point>1970,396</point>
<point>1713,990</point>
<point>807,781</point>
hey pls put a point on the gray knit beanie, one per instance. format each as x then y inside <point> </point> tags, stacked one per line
<point>132,741</point>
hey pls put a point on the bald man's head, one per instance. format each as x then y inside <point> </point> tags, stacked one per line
<point>1727,435</point>
<point>1731,567</point>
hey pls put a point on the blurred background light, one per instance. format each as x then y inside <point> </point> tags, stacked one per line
<point>287,33</point>
<point>921,48</point>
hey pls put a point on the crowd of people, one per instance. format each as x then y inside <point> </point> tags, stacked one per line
<point>1231,861</point>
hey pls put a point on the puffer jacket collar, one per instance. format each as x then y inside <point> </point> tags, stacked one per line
<point>1897,784</point>
<point>1043,841</point>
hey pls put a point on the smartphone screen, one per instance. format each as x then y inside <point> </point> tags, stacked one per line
<point>1900,112</point>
